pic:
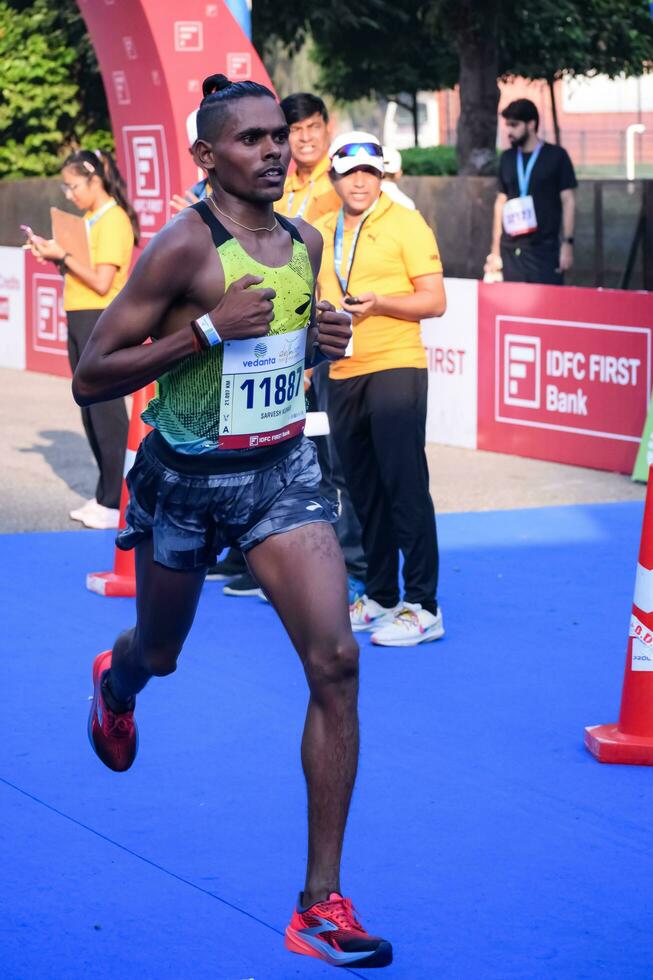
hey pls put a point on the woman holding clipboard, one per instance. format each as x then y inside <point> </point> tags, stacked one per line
<point>94,185</point>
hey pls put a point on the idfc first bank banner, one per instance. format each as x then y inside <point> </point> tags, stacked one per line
<point>564,374</point>
<point>153,57</point>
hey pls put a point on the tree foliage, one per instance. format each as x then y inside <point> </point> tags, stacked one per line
<point>566,38</point>
<point>388,58</point>
<point>51,93</point>
<point>365,49</point>
<point>578,37</point>
<point>392,60</point>
<point>52,98</point>
<point>483,40</point>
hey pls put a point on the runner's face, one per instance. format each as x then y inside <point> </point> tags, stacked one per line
<point>251,152</point>
<point>358,189</point>
<point>309,140</point>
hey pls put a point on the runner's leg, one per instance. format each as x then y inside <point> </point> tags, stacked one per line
<point>166,601</point>
<point>303,574</point>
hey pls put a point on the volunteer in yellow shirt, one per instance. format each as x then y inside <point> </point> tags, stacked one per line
<point>94,185</point>
<point>381,263</point>
<point>308,192</point>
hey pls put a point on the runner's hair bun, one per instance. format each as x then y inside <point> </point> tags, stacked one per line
<point>215,83</point>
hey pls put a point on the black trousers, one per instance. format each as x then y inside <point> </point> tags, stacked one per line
<point>106,423</point>
<point>378,422</point>
<point>333,485</point>
<point>532,263</point>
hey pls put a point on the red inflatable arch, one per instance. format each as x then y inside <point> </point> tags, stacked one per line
<point>153,56</point>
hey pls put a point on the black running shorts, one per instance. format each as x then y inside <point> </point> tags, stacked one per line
<point>191,518</point>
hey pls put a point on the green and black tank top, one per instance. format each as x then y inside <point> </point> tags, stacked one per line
<point>186,411</point>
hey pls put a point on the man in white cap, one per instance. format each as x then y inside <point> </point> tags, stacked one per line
<point>393,173</point>
<point>381,263</point>
<point>199,190</point>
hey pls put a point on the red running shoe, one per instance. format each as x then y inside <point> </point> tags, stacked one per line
<point>331,932</point>
<point>113,737</point>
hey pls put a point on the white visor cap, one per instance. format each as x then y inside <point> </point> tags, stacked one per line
<point>191,127</point>
<point>356,149</point>
<point>392,160</point>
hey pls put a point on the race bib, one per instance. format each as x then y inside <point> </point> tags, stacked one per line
<point>519,216</point>
<point>262,394</point>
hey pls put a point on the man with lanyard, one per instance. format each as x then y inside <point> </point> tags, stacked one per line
<point>309,194</point>
<point>536,198</point>
<point>226,292</point>
<point>381,262</point>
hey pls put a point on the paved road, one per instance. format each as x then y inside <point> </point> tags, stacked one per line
<point>48,468</point>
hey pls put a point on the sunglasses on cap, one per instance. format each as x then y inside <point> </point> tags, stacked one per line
<point>353,149</point>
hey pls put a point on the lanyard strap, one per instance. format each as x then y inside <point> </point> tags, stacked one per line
<point>103,210</point>
<point>304,204</point>
<point>524,176</point>
<point>338,243</point>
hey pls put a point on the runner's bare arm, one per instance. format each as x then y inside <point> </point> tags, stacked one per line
<point>115,361</point>
<point>178,278</point>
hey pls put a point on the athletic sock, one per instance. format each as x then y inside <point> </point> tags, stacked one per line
<point>118,707</point>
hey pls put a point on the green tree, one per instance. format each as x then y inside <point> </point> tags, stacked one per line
<point>472,30</point>
<point>365,49</point>
<point>546,41</point>
<point>390,62</point>
<point>565,38</point>
<point>51,93</point>
<point>487,40</point>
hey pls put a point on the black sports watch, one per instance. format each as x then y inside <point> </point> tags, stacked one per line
<point>569,240</point>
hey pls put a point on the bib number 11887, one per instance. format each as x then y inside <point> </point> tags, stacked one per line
<point>277,390</point>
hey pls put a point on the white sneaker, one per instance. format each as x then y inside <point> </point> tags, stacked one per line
<point>366,614</point>
<point>101,518</point>
<point>411,625</point>
<point>78,513</point>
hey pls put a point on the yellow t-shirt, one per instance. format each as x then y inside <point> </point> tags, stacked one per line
<point>312,198</point>
<point>111,241</point>
<point>394,247</point>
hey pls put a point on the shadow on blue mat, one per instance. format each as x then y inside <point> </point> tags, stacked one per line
<point>483,840</point>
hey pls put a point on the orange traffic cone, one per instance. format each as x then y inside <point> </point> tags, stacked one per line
<point>630,741</point>
<point>122,580</point>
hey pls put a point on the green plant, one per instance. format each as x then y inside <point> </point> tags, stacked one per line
<point>51,94</point>
<point>429,161</point>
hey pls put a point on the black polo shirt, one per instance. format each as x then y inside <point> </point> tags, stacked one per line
<point>553,172</point>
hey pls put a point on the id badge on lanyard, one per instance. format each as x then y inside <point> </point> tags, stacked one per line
<point>519,216</point>
<point>338,248</point>
<point>262,392</point>
<point>304,204</point>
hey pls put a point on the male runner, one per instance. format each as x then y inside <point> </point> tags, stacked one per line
<point>308,193</point>
<point>227,464</point>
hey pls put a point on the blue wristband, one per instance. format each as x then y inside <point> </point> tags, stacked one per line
<point>206,327</point>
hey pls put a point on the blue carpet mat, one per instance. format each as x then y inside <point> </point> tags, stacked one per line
<point>483,840</point>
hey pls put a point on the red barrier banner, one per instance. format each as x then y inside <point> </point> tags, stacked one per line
<point>12,307</point>
<point>46,333</point>
<point>564,373</point>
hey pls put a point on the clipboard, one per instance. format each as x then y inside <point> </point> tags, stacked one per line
<point>71,233</point>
